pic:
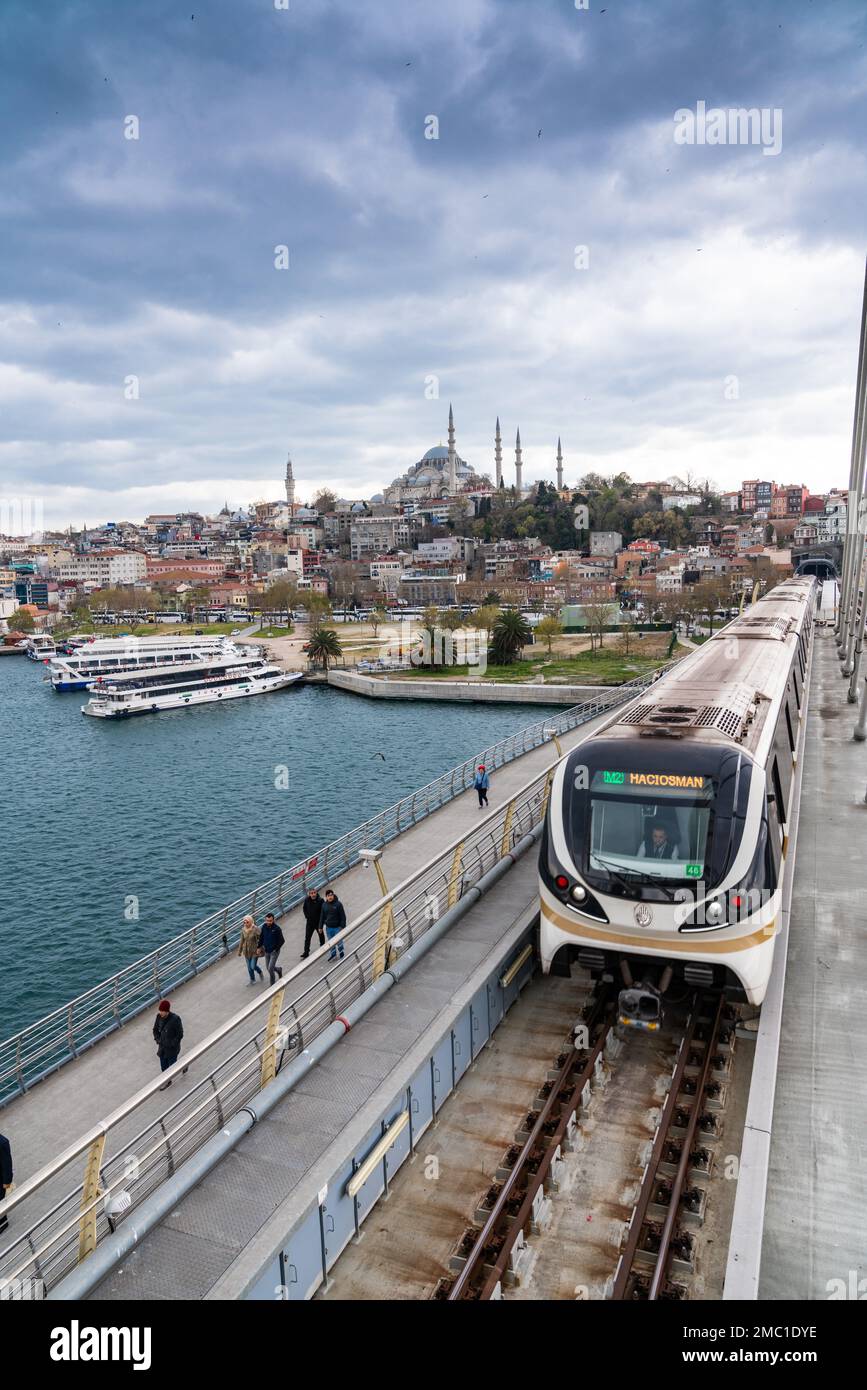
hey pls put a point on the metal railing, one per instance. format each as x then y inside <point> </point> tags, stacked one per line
<point>242,1056</point>
<point>59,1037</point>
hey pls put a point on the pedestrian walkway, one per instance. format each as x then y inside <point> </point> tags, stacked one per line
<point>815,1242</point>
<point>42,1123</point>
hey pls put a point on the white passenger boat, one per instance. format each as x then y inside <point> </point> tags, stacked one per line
<point>176,687</point>
<point>107,656</point>
<point>40,647</point>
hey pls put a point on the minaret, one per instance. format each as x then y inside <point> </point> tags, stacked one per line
<point>290,485</point>
<point>453,458</point>
<point>518,463</point>
<point>559,466</point>
<point>498,456</point>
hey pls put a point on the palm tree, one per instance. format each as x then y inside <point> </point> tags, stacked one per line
<point>510,634</point>
<point>324,646</point>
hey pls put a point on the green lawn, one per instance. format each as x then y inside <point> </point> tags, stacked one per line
<point>606,667</point>
<point>274,632</point>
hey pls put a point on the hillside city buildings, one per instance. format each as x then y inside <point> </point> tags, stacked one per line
<point>419,544</point>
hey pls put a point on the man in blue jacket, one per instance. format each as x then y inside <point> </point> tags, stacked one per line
<point>481,782</point>
<point>333,919</point>
<point>271,941</point>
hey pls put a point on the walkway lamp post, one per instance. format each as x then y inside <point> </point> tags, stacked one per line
<point>553,734</point>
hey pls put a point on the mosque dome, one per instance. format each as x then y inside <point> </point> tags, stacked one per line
<point>439,452</point>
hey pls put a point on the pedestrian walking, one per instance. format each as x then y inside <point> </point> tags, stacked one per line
<point>250,947</point>
<point>271,941</point>
<point>333,920</point>
<point>168,1032</point>
<point>5,1177</point>
<point>481,782</point>
<point>313,906</point>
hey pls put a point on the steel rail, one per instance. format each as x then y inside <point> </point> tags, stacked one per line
<point>537,1179</point>
<point>623,1272</point>
<point>671,1216</point>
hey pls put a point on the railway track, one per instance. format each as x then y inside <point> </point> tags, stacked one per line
<point>660,1241</point>
<point>658,1251</point>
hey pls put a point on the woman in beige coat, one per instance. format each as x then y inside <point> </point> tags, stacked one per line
<point>248,947</point>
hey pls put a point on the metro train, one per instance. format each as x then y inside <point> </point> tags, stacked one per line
<point>665,843</point>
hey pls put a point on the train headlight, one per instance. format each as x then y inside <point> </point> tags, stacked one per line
<point>562,882</point>
<point>714,912</point>
<point>579,893</point>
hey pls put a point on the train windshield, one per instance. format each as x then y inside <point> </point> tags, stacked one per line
<point>643,825</point>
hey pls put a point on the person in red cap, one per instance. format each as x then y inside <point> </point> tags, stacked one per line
<point>168,1032</point>
<point>481,782</point>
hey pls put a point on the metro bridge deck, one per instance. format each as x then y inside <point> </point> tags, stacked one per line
<point>816,1212</point>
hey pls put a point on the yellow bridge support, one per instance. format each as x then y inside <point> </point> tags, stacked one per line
<point>505,845</point>
<point>89,1193</point>
<point>272,1035</point>
<point>455,875</point>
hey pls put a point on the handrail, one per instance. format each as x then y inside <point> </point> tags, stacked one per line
<point>42,1047</point>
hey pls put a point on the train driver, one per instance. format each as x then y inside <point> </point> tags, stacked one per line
<point>660,846</point>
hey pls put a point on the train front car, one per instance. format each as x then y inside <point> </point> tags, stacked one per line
<point>665,839</point>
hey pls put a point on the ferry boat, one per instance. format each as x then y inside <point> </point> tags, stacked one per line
<point>105,656</point>
<point>40,647</point>
<point>176,687</point>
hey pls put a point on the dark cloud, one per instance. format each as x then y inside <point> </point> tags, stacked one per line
<point>411,257</point>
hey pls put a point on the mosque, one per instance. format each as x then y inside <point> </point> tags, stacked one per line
<point>441,472</point>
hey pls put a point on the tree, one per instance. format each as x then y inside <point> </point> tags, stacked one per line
<point>316,606</point>
<point>197,597</point>
<point>597,616</point>
<point>324,646</point>
<point>450,619</point>
<point>492,599</point>
<point>708,597</point>
<point>377,618</point>
<point>325,501</point>
<point>510,635</point>
<point>279,597</point>
<point>114,600</point>
<point>21,621</point>
<point>484,618</point>
<point>670,606</point>
<point>628,633</point>
<point>690,607</point>
<point>548,629</point>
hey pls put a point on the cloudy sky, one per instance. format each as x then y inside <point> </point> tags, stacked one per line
<point>153,356</point>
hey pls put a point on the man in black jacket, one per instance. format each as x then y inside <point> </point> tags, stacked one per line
<point>333,919</point>
<point>313,906</point>
<point>271,940</point>
<point>5,1175</point>
<point>168,1032</point>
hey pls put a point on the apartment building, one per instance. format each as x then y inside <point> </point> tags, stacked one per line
<point>106,569</point>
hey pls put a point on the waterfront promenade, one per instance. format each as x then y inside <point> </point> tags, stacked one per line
<point>44,1121</point>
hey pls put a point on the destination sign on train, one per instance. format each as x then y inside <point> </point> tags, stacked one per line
<point>685,780</point>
